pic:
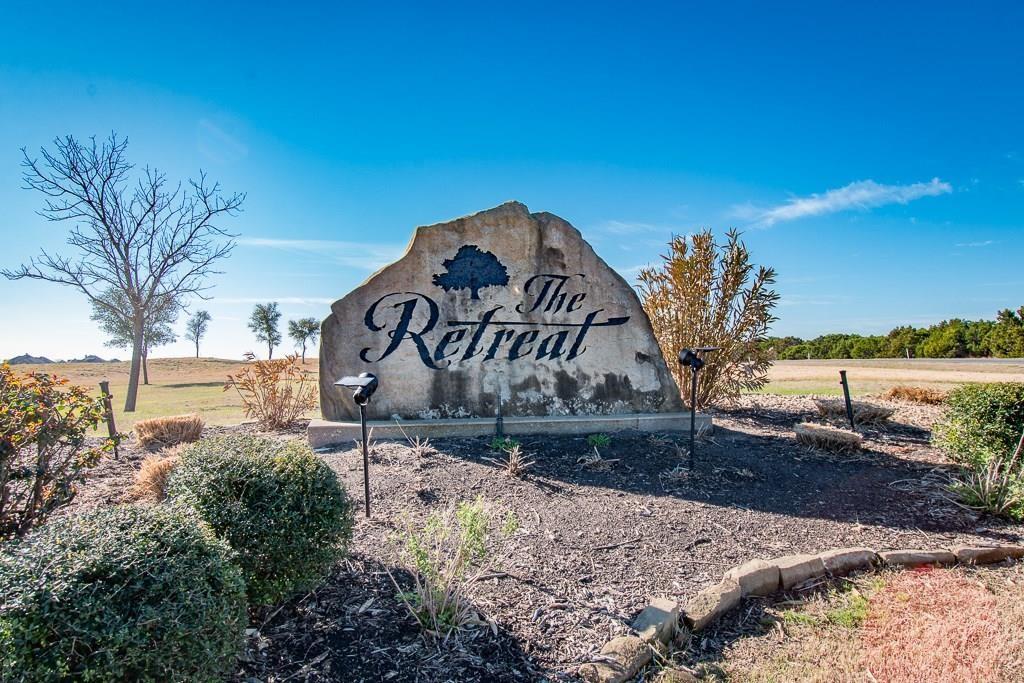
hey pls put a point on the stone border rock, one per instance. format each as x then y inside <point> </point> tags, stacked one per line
<point>623,657</point>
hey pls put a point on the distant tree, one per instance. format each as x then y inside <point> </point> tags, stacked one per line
<point>132,232</point>
<point>706,294</point>
<point>1006,337</point>
<point>472,269</point>
<point>263,322</point>
<point>195,328</point>
<point>303,331</point>
<point>114,314</point>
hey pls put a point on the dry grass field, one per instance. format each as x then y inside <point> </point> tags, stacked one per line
<point>876,376</point>
<point>177,386</point>
<point>185,385</point>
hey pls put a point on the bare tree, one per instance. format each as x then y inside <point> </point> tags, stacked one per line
<point>134,233</point>
<point>195,328</point>
<point>115,318</point>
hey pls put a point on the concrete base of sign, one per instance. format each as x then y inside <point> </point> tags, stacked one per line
<point>323,433</point>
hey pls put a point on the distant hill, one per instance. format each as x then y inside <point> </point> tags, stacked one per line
<point>28,359</point>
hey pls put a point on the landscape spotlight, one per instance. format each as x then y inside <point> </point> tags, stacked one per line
<point>691,358</point>
<point>363,388</point>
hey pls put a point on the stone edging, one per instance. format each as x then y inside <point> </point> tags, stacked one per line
<point>622,658</point>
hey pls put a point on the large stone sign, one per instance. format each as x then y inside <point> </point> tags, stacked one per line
<point>503,303</point>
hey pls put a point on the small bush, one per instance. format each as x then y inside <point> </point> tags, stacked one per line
<point>599,440</point>
<point>708,294</point>
<point>863,412</point>
<point>996,487</point>
<point>903,392</point>
<point>515,463</point>
<point>120,594</point>
<point>444,557</point>
<point>278,505</point>
<point>275,392</point>
<point>827,438</point>
<point>163,432</point>
<point>151,479</point>
<point>44,423</point>
<point>982,422</point>
<point>503,443</point>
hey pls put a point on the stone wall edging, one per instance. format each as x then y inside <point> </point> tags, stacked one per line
<point>623,657</point>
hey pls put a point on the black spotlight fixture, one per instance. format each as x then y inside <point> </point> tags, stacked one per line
<point>363,388</point>
<point>691,358</point>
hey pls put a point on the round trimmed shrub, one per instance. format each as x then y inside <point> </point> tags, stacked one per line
<point>982,422</point>
<point>124,593</point>
<point>276,503</point>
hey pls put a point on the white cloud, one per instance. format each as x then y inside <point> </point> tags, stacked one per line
<point>860,195</point>
<point>982,243</point>
<point>363,255</point>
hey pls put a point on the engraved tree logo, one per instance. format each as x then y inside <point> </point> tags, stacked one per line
<point>471,269</point>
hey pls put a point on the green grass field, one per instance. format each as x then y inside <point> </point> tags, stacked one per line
<point>186,385</point>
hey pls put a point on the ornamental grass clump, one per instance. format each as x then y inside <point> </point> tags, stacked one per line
<point>120,594</point>
<point>445,556</point>
<point>925,395</point>
<point>996,487</point>
<point>827,438</point>
<point>164,432</point>
<point>279,506</point>
<point>863,412</point>
<point>151,479</point>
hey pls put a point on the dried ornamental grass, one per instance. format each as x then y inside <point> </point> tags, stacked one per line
<point>161,432</point>
<point>904,392</point>
<point>827,438</point>
<point>863,412</point>
<point>151,479</point>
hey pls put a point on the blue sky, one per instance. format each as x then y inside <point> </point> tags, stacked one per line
<point>873,154</point>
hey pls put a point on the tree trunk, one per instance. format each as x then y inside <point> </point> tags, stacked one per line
<point>270,351</point>
<point>303,353</point>
<point>145,365</point>
<point>133,376</point>
<point>197,348</point>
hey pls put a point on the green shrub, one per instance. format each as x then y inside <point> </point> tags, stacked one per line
<point>599,440</point>
<point>445,556</point>
<point>278,505</point>
<point>44,455</point>
<point>982,422</point>
<point>503,443</point>
<point>120,594</point>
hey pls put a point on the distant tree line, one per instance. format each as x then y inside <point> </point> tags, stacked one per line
<point>956,338</point>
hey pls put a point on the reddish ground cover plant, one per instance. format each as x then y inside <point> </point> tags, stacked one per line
<point>941,625</point>
<point>44,422</point>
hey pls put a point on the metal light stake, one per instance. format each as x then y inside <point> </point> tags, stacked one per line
<point>363,388</point>
<point>691,358</point>
<point>846,395</point>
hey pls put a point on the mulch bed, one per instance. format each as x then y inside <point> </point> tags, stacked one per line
<point>594,545</point>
